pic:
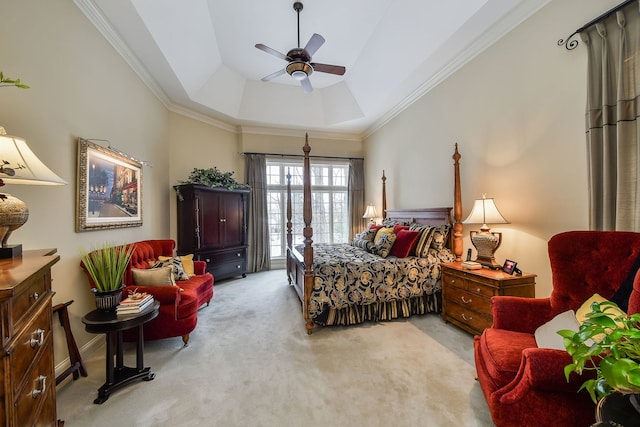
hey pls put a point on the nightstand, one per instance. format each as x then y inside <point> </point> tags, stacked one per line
<point>466,294</point>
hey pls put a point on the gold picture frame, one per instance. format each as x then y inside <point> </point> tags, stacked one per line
<point>109,189</point>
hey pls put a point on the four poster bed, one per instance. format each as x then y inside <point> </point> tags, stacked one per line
<point>374,280</point>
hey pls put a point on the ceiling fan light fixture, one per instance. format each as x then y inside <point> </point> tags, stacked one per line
<point>299,70</point>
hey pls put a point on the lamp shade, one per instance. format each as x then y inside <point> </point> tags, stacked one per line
<point>18,164</point>
<point>484,212</point>
<point>370,212</point>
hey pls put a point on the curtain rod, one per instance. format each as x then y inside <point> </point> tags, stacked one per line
<point>302,156</point>
<point>572,44</point>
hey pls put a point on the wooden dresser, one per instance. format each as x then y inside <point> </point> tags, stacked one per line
<point>28,390</point>
<point>212,225</point>
<point>466,294</point>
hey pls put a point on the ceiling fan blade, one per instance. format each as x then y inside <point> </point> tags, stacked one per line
<point>306,85</point>
<point>314,44</point>
<point>331,69</point>
<point>273,75</point>
<point>272,52</point>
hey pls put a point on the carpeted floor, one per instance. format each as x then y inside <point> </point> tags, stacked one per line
<point>251,363</point>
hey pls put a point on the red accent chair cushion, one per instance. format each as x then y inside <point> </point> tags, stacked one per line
<point>525,385</point>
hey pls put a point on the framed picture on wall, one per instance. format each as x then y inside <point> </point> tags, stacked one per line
<point>109,188</point>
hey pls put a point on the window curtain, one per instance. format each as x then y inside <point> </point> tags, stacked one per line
<point>612,126</point>
<point>259,258</point>
<point>356,197</point>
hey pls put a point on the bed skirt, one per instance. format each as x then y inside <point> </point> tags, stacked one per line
<point>380,311</point>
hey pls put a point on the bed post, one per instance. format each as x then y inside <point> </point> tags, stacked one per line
<point>308,234</point>
<point>457,207</point>
<point>289,225</point>
<point>384,196</point>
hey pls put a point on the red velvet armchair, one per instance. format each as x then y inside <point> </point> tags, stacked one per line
<point>525,385</point>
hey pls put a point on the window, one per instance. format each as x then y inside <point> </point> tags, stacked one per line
<point>329,202</point>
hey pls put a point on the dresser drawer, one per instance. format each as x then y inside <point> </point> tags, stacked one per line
<point>229,269</point>
<point>34,289</point>
<point>465,282</point>
<point>29,344</point>
<point>221,257</point>
<point>472,301</point>
<point>471,320</point>
<point>28,402</point>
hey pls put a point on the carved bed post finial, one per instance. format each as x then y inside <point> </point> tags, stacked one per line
<point>384,196</point>
<point>308,234</point>
<point>457,207</point>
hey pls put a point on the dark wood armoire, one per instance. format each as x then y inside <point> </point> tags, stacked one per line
<point>212,225</point>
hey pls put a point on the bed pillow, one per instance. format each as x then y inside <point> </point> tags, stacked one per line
<point>381,232</point>
<point>405,243</point>
<point>176,265</point>
<point>384,245</point>
<point>364,240</point>
<point>424,241</point>
<point>440,237</point>
<point>399,227</point>
<point>162,276</point>
<point>187,263</point>
<point>547,335</point>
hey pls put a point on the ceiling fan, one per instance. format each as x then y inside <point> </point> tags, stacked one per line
<point>299,64</point>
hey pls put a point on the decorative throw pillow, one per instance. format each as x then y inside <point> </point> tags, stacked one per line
<point>187,263</point>
<point>162,276</point>
<point>611,311</point>
<point>405,243</point>
<point>399,227</point>
<point>547,335</point>
<point>364,240</point>
<point>384,245</point>
<point>176,264</point>
<point>424,241</point>
<point>440,237</point>
<point>381,232</point>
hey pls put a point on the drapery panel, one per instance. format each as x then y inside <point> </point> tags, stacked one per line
<point>612,126</point>
<point>258,254</point>
<point>356,197</point>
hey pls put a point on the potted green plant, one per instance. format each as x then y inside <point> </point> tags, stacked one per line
<point>106,265</point>
<point>609,345</point>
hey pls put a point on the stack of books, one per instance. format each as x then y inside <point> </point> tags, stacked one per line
<point>134,304</point>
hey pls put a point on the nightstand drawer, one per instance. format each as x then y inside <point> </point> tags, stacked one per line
<point>471,320</point>
<point>470,300</point>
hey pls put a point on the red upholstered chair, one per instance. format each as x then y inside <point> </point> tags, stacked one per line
<point>525,385</point>
<point>178,312</point>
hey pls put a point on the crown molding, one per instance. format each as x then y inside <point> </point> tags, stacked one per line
<point>95,16</point>
<point>505,25</point>
<point>296,133</point>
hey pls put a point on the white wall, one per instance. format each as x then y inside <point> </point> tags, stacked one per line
<point>517,112</point>
<point>80,87</point>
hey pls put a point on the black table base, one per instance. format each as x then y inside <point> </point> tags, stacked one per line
<point>118,375</point>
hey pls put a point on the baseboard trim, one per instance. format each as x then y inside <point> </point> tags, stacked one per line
<point>85,351</point>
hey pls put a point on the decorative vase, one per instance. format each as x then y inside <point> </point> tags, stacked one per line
<point>617,409</point>
<point>109,300</point>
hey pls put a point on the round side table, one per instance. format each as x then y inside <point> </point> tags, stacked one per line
<point>107,322</point>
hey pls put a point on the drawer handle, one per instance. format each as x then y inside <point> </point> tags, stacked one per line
<point>43,387</point>
<point>223,220</point>
<point>208,260</point>
<point>35,296</point>
<point>239,254</point>
<point>478,290</point>
<point>466,318</point>
<point>237,266</point>
<point>466,301</point>
<point>37,341</point>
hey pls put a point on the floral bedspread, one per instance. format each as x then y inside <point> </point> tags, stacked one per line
<point>348,276</point>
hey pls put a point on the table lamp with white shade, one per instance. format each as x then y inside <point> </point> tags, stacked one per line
<point>18,165</point>
<point>486,242</point>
